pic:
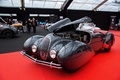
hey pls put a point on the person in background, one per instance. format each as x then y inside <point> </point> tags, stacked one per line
<point>34,24</point>
<point>28,24</point>
<point>9,22</point>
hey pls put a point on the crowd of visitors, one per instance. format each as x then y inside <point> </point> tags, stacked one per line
<point>29,24</point>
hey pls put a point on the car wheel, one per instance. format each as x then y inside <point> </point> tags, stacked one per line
<point>7,34</point>
<point>107,49</point>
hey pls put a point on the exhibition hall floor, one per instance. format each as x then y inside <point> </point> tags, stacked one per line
<point>103,66</point>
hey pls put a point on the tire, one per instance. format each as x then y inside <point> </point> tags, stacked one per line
<point>107,49</point>
<point>71,71</point>
<point>7,34</point>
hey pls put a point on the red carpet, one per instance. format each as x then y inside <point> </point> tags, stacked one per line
<point>103,66</point>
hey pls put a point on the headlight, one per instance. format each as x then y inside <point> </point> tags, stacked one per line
<point>34,48</point>
<point>52,54</point>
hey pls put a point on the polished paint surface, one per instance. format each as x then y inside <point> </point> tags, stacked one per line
<point>77,51</point>
<point>103,66</point>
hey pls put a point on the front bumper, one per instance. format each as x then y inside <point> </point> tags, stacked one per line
<point>50,64</point>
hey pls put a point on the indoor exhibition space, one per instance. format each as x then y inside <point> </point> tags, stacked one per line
<point>59,39</point>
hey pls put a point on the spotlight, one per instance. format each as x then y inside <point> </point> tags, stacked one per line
<point>20,8</point>
<point>24,9</point>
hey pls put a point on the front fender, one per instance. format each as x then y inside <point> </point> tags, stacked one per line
<point>58,45</point>
<point>30,41</point>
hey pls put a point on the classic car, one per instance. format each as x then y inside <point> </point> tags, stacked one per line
<point>7,31</point>
<point>69,45</point>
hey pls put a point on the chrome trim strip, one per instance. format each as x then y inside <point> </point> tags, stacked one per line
<point>50,64</point>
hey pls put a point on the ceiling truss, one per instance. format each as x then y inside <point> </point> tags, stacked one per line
<point>99,5</point>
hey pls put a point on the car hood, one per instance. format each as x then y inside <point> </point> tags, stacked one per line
<point>58,24</point>
<point>3,25</point>
<point>6,26</point>
<point>67,25</point>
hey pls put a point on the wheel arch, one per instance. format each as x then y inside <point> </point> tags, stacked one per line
<point>6,30</point>
<point>76,57</point>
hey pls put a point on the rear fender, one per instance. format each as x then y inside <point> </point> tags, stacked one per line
<point>75,54</point>
<point>109,37</point>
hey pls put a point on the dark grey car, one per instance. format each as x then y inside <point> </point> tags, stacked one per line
<point>67,46</point>
<point>7,31</point>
